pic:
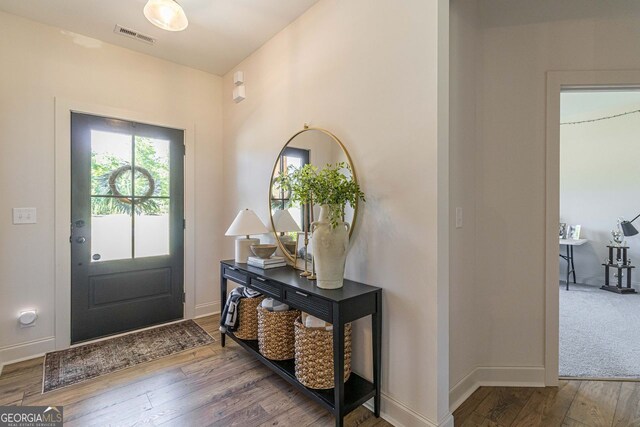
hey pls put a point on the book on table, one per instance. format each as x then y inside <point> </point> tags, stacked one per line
<point>267,266</point>
<point>267,261</point>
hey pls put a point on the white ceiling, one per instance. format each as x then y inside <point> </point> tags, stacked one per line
<point>220,35</point>
<point>586,105</point>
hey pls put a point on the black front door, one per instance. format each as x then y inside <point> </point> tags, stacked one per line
<point>127,226</point>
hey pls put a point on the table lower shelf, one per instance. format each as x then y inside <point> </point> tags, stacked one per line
<point>357,390</point>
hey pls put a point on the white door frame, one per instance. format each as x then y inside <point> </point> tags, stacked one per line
<point>556,82</point>
<point>62,249</point>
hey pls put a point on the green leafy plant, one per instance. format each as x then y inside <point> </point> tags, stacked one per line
<point>332,185</point>
<point>104,165</point>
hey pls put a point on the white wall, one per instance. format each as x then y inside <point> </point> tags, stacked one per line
<point>599,178</point>
<point>521,42</point>
<point>370,75</point>
<point>40,63</point>
<point>466,333</point>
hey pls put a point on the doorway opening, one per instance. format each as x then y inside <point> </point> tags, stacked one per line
<point>599,193</point>
<point>127,226</point>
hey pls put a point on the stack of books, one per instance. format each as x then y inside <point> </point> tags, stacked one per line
<point>273,262</point>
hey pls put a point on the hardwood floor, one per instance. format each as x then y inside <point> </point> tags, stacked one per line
<point>215,386</point>
<point>572,404</point>
<point>209,385</point>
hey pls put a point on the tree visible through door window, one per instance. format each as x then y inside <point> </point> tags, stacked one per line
<point>129,196</point>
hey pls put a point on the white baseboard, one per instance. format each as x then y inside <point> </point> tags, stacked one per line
<point>448,421</point>
<point>207,309</point>
<point>462,390</point>
<point>517,376</point>
<point>400,415</point>
<point>24,351</point>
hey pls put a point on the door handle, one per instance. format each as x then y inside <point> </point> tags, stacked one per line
<point>81,239</point>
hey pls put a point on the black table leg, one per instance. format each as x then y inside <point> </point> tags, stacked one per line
<point>573,267</point>
<point>338,366</point>
<point>376,335</point>
<point>223,300</point>
<point>568,264</point>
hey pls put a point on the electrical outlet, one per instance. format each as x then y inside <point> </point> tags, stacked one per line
<point>24,216</point>
<point>458,217</point>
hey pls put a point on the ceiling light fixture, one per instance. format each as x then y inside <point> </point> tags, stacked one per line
<point>166,14</point>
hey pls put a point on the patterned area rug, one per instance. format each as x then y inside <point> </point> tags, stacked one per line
<point>66,367</point>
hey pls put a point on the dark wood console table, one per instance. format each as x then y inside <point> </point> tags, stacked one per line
<point>337,306</point>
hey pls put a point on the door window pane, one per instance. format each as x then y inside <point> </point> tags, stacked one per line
<point>129,176</point>
<point>152,228</point>
<point>295,209</point>
<point>152,167</point>
<point>110,229</point>
<point>289,161</point>
<point>110,163</point>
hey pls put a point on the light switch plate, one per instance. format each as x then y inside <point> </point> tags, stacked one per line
<point>24,216</point>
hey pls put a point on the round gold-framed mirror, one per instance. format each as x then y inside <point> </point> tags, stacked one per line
<point>290,223</point>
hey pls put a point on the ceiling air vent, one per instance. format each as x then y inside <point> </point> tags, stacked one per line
<point>127,32</point>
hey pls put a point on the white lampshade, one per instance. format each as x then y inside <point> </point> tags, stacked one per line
<point>166,14</point>
<point>246,224</point>
<point>283,222</point>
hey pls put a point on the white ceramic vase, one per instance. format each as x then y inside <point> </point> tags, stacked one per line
<point>329,247</point>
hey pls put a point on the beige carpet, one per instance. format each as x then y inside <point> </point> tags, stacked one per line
<point>66,367</point>
<point>599,333</point>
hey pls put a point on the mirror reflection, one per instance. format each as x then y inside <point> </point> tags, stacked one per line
<point>290,221</point>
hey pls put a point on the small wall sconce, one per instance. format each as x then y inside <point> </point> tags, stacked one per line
<point>239,94</point>
<point>238,78</point>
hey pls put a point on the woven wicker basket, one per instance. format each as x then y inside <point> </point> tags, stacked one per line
<point>248,318</point>
<point>276,337</point>
<point>314,355</point>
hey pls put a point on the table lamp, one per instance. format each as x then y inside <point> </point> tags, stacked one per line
<point>283,222</point>
<point>627,228</point>
<point>245,224</point>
